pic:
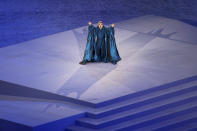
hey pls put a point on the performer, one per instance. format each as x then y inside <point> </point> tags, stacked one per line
<point>101,45</point>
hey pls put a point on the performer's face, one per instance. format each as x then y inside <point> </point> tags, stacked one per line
<point>100,25</point>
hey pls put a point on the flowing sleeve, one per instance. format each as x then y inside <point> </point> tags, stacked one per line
<point>90,29</point>
<point>113,48</point>
<point>88,54</point>
<point>91,33</point>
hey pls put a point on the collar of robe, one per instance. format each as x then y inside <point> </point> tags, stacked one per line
<point>101,28</point>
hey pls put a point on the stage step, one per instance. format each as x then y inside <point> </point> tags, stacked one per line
<point>155,117</point>
<point>142,100</point>
<point>157,110</point>
<point>190,126</point>
<point>137,112</point>
<point>183,122</point>
<point>173,115</point>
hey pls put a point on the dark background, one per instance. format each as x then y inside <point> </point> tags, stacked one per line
<point>22,20</point>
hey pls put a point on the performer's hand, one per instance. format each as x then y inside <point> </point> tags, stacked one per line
<point>89,23</point>
<point>112,25</point>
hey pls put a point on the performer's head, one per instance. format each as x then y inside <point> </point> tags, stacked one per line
<point>100,24</point>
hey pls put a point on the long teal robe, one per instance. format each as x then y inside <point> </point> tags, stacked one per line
<point>101,45</point>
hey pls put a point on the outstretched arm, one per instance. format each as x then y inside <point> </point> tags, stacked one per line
<point>90,27</point>
<point>111,29</point>
<point>90,24</point>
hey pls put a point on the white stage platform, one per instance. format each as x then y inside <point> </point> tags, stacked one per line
<point>154,51</point>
